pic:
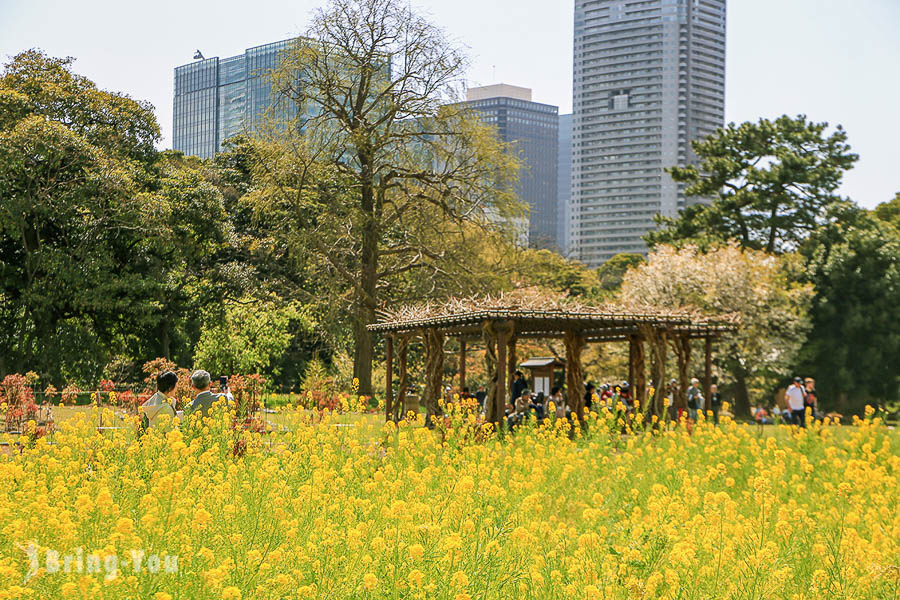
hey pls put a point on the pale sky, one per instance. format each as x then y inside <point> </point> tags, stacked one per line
<point>834,60</point>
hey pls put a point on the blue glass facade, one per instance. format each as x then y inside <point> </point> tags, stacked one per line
<point>564,189</point>
<point>532,128</point>
<point>218,98</point>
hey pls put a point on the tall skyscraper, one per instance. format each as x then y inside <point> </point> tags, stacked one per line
<point>218,98</point>
<point>649,77</point>
<point>532,128</point>
<point>564,186</point>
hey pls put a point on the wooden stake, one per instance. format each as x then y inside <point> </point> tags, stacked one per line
<point>575,372</point>
<point>389,378</point>
<point>462,365</point>
<point>707,375</point>
<point>512,363</point>
<point>500,398</point>
<point>403,352</point>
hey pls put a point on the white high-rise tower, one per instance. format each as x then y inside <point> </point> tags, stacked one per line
<point>649,77</point>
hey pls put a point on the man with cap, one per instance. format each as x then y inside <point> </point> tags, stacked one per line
<point>794,397</point>
<point>694,399</point>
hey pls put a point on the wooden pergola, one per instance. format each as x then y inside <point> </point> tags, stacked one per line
<point>498,324</point>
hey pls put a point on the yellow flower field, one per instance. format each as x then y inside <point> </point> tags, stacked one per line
<point>364,511</point>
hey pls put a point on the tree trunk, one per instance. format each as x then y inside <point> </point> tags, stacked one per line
<point>741,395</point>
<point>367,297</point>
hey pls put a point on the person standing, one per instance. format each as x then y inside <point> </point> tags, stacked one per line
<point>589,397</point>
<point>519,385</point>
<point>559,402</point>
<point>480,395</point>
<point>670,394</point>
<point>811,398</point>
<point>694,399</point>
<point>715,402</point>
<point>794,397</point>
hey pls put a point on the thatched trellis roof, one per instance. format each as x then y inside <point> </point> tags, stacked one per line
<point>535,313</point>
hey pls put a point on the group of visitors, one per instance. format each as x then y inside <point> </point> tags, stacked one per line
<point>799,396</point>
<point>696,401</point>
<point>161,403</point>
<point>523,403</point>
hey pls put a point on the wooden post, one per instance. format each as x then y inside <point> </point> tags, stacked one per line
<point>491,367</point>
<point>389,378</point>
<point>403,352</point>
<point>575,372</point>
<point>707,375</point>
<point>462,365</point>
<point>637,369</point>
<point>434,370</point>
<point>682,345</point>
<point>632,357</point>
<point>500,398</point>
<point>512,363</point>
<point>658,342</point>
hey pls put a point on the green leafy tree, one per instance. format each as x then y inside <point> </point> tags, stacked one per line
<point>611,274</point>
<point>889,212</point>
<point>770,184</point>
<point>191,255</point>
<point>72,159</point>
<point>379,168</point>
<point>854,344</point>
<point>251,338</point>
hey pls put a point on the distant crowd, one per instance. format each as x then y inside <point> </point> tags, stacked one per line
<point>799,397</point>
<point>522,403</point>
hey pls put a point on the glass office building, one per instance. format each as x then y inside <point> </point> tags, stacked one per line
<point>218,98</point>
<point>649,77</point>
<point>532,128</point>
<point>564,186</point>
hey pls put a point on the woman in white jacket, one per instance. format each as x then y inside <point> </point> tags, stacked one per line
<point>159,403</point>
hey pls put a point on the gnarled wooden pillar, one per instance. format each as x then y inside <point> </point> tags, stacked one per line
<point>682,345</point>
<point>574,341</point>
<point>631,351</point>
<point>389,377</point>
<point>403,375</point>
<point>512,361</point>
<point>707,373</point>
<point>462,365</point>
<point>434,372</point>
<point>656,339</point>
<point>637,363</point>
<point>491,369</point>
<point>500,398</point>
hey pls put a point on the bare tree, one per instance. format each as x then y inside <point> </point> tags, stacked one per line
<point>381,164</point>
